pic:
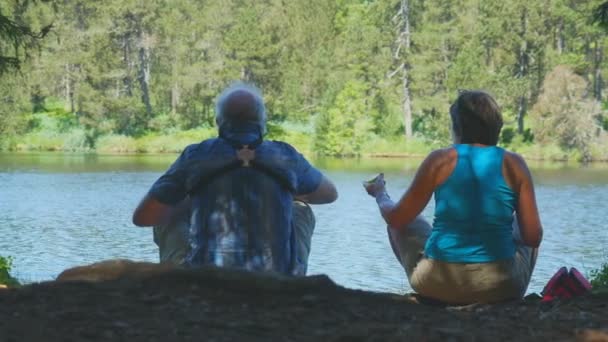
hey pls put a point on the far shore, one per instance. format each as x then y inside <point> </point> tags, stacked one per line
<point>367,155</point>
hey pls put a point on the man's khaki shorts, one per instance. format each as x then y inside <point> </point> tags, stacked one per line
<point>173,247</point>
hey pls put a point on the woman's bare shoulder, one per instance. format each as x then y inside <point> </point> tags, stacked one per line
<point>440,164</point>
<point>442,156</point>
<point>515,161</point>
<point>515,169</point>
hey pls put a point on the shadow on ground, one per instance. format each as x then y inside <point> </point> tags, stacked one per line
<point>122,300</point>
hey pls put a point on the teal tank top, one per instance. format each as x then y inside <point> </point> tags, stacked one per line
<point>473,210</point>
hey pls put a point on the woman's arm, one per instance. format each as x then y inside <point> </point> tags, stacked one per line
<point>528,218</point>
<point>398,215</point>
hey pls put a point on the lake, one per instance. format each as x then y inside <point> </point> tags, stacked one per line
<point>62,210</point>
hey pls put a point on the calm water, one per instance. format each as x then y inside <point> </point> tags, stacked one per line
<point>63,210</point>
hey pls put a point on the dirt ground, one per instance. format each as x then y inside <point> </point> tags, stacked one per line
<point>147,302</point>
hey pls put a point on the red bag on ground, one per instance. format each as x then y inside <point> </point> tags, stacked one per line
<point>565,284</point>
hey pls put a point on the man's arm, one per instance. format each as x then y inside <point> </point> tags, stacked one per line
<point>324,193</point>
<point>312,187</point>
<point>166,196</point>
<point>152,212</point>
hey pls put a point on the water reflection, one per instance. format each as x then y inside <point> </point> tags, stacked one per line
<point>62,210</point>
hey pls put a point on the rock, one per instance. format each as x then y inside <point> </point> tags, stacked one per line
<point>112,270</point>
<point>590,335</point>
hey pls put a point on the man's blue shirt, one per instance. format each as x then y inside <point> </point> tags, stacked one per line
<point>242,217</point>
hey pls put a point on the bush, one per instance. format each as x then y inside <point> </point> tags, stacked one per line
<point>343,128</point>
<point>599,278</point>
<point>75,140</point>
<point>296,134</point>
<point>40,141</point>
<point>396,146</point>
<point>6,265</point>
<point>564,113</point>
<point>174,142</point>
<point>115,143</point>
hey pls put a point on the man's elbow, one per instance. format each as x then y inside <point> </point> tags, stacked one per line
<point>332,196</point>
<point>138,220</point>
<point>144,216</point>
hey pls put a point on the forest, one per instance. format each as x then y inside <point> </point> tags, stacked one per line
<point>340,77</point>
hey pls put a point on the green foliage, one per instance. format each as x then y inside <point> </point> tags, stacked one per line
<point>6,265</point>
<point>342,129</point>
<point>17,36</point>
<point>434,128</point>
<point>296,134</point>
<point>395,146</point>
<point>563,113</point>
<point>130,75</point>
<point>599,278</point>
<point>115,143</point>
<point>507,135</point>
<point>600,15</point>
<point>152,142</point>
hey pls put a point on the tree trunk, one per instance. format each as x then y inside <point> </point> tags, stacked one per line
<point>144,72</point>
<point>598,57</point>
<point>69,93</point>
<point>559,37</point>
<point>126,58</point>
<point>246,74</point>
<point>75,100</point>
<point>488,55</point>
<point>175,87</point>
<point>407,103</point>
<point>523,67</point>
<point>174,98</point>
<point>404,43</point>
<point>521,112</point>
<point>405,12</point>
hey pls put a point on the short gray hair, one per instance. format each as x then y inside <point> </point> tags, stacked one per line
<point>259,109</point>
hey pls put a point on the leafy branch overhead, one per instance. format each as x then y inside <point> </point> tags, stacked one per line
<point>600,16</point>
<point>15,41</point>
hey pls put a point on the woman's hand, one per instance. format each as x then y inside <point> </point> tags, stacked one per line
<point>375,186</point>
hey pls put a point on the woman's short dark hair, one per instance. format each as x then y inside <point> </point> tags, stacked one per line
<point>476,118</point>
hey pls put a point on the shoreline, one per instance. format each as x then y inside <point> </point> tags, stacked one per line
<point>369,155</point>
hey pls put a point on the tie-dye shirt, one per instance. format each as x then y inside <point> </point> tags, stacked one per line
<point>242,217</point>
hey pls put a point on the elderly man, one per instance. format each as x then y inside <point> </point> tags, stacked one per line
<point>239,190</point>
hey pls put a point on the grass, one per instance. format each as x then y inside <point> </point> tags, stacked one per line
<point>6,265</point>
<point>71,141</point>
<point>75,140</point>
<point>57,131</point>
<point>599,279</point>
<point>395,147</point>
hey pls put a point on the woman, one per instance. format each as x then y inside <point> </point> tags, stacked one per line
<point>483,243</point>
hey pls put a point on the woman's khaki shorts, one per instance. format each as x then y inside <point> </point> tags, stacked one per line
<point>461,283</point>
